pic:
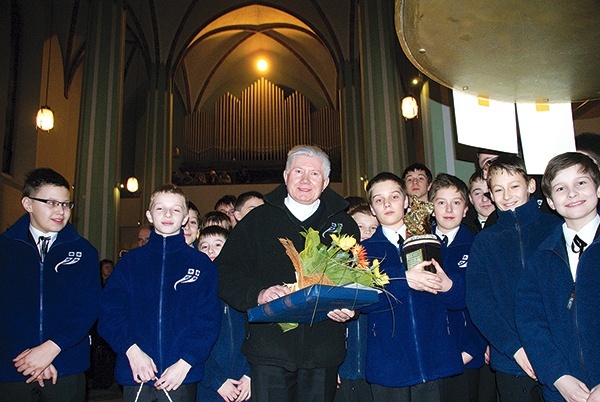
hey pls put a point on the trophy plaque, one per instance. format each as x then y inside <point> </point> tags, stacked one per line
<point>420,245</point>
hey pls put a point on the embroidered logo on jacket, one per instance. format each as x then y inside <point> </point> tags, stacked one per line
<point>191,276</point>
<point>332,229</point>
<point>463,262</point>
<point>72,258</point>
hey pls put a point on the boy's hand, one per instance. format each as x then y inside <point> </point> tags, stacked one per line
<point>446,281</point>
<point>425,281</point>
<point>244,388</point>
<point>173,376</point>
<point>466,358</point>
<point>229,390</point>
<point>32,362</point>
<point>594,394</point>
<point>572,389</point>
<point>523,361</point>
<point>142,365</point>
<point>342,315</point>
<point>50,373</point>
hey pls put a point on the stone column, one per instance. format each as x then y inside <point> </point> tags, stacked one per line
<point>97,171</point>
<point>159,132</point>
<point>385,145</point>
<point>353,139</point>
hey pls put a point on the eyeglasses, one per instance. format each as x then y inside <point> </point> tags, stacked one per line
<point>54,203</point>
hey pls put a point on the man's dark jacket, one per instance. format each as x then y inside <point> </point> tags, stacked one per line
<point>253,259</point>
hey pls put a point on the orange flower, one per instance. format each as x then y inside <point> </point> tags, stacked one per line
<point>360,254</point>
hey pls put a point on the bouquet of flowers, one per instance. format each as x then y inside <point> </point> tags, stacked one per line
<point>343,262</point>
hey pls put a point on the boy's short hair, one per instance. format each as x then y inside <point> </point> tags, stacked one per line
<point>169,189</point>
<point>215,218</point>
<point>565,161</point>
<point>513,164</point>
<point>228,199</point>
<point>476,176</point>
<point>384,176</point>
<point>445,180</point>
<point>244,197</point>
<point>355,203</point>
<point>361,209</point>
<point>193,207</point>
<point>41,177</point>
<point>417,166</point>
<point>211,231</point>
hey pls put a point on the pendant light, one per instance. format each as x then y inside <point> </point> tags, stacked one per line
<point>45,116</point>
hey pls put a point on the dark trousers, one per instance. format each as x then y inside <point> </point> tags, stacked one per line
<point>276,384</point>
<point>426,392</point>
<point>353,391</point>
<point>473,385</point>
<point>70,388</point>
<point>514,388</point>
<point>185,393</point>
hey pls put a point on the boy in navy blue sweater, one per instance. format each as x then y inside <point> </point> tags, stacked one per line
<point>160,311</point>
<point>48,297</point>
<point>497,261</point>
<point>558,303</point>
<point>409,347</point>
<point>227,372</point>
<point>449,196</point>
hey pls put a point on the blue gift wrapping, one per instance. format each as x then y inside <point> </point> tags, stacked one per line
<point>311,304</point>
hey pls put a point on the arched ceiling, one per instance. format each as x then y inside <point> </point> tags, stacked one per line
<point>222,58</point>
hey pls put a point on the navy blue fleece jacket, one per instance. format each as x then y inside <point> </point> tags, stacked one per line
<point>163,297</point>
<point>226,359</point>
<point>497,261</point>
<point>53,300</point>
<point>462,329</point>
<point>409,340</point>
<point>560,339</point>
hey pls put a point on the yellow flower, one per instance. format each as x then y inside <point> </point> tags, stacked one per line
<point>380,279</point>
<point>345,242</point>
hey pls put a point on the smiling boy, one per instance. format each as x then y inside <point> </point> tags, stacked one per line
<point>558,300</point>
<point>48,296</point>
<point>160,311</point>
<point>497,260</point>
<point>408,345</point>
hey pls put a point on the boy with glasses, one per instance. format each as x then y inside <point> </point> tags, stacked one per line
<point>48,296</point>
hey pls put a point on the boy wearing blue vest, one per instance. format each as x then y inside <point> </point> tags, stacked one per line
<point>160,311</point>
<point>497,261</point>
<point>409,347</point>
<point>558,302</point>
<point>449,195</point>
<point>48,297</point>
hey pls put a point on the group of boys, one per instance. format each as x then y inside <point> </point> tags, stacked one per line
<point>528,289</point>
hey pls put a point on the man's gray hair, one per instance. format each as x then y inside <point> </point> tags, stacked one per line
<point>312,152</point>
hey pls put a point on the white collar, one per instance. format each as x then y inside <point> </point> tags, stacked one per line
<point>301,211</point>
<point>586,233</point>
<point>37,233</point>
<point>392,235</point>
<point>450,235</point>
